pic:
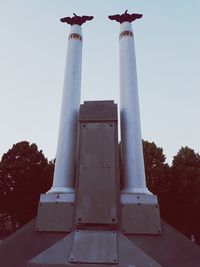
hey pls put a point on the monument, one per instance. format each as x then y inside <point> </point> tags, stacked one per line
<point>84,219</point>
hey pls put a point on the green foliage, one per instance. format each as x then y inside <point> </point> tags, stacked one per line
<point>24,174</point>
<point>156,170</point>
<point>177,187</point>
<point>185,190</point>
<point>158,176</point>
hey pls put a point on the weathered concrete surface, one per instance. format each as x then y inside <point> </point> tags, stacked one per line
<point>23,245</point>
<point>129,255</point>
<point>171,249</point>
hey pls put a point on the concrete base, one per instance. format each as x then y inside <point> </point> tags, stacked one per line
<point>55,213</point>
<point>126,255</point>
<point>19,248</point>
<point>170,249</point>
<point>140,214</point>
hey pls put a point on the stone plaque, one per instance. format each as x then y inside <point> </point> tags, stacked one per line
<point>96,179</point>
<point>94,247</point>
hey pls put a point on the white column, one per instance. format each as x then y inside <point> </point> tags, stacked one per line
<point>132,152</point>
<point>64,175</point>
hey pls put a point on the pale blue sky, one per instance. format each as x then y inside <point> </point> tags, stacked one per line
<point>33,46</point>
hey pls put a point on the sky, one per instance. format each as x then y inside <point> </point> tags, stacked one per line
<point>33,45</point>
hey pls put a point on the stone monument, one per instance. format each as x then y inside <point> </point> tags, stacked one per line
<point>85,219</point>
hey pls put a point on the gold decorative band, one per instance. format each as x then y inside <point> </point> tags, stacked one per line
<point>75,36</point>
<point>125,33</point>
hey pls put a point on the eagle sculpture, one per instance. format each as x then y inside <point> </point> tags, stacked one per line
<point>125,17</point>
<point>78,20</point>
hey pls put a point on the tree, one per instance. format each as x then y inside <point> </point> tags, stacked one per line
<point>24,174</point>
<point>156,170</point>
<point>158,176</point>
<point>185,191</point>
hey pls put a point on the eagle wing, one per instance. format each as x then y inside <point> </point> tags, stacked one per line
<point>116,17</point>
<point>136,16</point>
<point>85,18</point>
<point>66,19</point>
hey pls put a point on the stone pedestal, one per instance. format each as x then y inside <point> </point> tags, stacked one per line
<point>140,214</point>
<point>55,213</point>
<point>96,239</point>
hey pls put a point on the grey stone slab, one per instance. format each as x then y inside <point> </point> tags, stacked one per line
<point>55,213</point>
<point>98,111</point>
<point>97,144</point>
<point>97,174</point>
<point>140,214</point>
<point>94,247</point>
<point>59,198</point>
<point>138,199</point>
<point>96,200</point>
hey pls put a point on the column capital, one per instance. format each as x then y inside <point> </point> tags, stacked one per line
<point>75,32</point>
<point>126,29</point>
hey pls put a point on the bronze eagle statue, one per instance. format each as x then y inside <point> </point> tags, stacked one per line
<point>125,17</point>
<point>78,20</point>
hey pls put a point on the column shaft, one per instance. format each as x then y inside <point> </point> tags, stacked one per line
<point>63,181</point>
<point>132,152</point>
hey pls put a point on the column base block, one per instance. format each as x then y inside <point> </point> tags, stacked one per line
<point>140,214</point>
<point>55,213</point>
